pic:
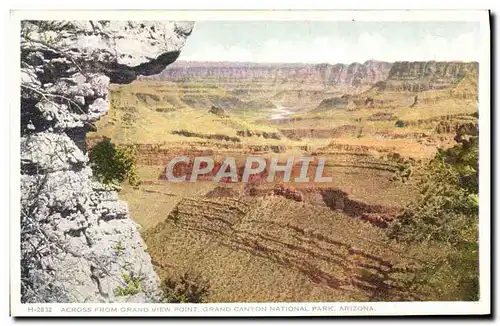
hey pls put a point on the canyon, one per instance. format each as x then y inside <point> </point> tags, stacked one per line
<point>375,123</point>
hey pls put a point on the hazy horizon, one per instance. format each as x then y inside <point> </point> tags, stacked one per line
<point>318,63</point>
<point>316,42</point>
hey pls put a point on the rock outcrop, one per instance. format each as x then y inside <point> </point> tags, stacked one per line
<point>78,243</point>
<point>338,102</point>
<point>424,75</point>
<point>357,74</point>
<point>218,111</point>
<point>288,192</point>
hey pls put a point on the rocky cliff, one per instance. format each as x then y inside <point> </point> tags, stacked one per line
<point>402,75</point>
<point>424,75</point>
<point>228,73</point>
<point>78,243</point>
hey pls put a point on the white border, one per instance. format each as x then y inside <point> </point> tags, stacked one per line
<point>271,309</point>
<point>484,89</point>
<point>379,308</point>
<point>258,15</point>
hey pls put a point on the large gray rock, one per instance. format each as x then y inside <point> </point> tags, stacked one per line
<point>78,243</point>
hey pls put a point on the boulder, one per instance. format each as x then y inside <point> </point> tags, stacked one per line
<point>218,111</point>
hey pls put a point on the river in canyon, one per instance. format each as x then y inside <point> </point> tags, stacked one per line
<point>280,112</point>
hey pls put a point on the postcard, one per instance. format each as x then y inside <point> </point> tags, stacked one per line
<point>250,163</point>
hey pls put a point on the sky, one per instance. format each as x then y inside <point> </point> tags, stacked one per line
<point>331,42</point>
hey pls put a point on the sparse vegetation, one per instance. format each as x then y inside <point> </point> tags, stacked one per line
<point>119,248</point>
<point>447,215</point>
<point>400,124</point>
<point>131,284</point>
<point>188,288</point>
<point>360,133</point>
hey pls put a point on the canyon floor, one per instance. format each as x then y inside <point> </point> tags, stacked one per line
<point>252,242</point>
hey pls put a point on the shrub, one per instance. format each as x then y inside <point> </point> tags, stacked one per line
<point>400,124</point>
<point>113,164</point>
<point>130,285</point>
<point>446,215</point>
<point>448,202</point>
<point>360,133</point>
<point>186,289</point>
<point>119,248</point>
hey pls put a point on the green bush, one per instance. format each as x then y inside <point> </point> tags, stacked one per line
<point>119,248</point>
<point>446,216</point>
<point>400,124</point>
<point>448,203</point>
<point>131,285</point>
<point>186,289</point>
<point>113,164</point>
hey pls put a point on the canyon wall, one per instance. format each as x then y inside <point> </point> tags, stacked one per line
<point>231,73</point>
<point>78,243</point>
<point>401,75</point>
<point>424,75</point>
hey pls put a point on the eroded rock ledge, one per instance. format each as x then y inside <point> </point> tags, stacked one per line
<point>78,243</point>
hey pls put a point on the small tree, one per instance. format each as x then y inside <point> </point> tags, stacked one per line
<point>113,164</point>
<point>400,124</point>
<point>187,288</point>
